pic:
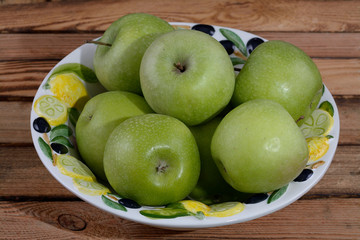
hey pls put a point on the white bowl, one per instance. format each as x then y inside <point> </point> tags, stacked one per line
<point>84,55</point>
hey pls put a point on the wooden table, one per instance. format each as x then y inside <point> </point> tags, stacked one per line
<point>35,35</point>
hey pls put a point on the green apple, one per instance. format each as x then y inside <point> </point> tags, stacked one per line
<point>117,66</point>
<point>98,119</point>
<point>211,187</point>
<point>152,159</point>
<point>258,147</point>
<point>281,72</point>
<point>187,74</point>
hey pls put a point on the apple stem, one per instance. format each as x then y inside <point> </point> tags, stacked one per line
<point>161,168</point>
<point>98,43</point>
<point>300,118</point>
<point>179,66</point>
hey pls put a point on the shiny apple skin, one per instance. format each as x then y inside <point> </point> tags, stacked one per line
<point>98,119</point>
<point>200,90</point>
<point>281,72</point>
<point>117,66</point>
<point>258,147</point>
<point>152,159</point>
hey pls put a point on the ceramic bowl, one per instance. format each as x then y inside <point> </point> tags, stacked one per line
<point>84,55</point>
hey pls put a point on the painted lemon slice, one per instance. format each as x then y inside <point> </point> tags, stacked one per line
<point>52,109</point>
<point>74,168</point>
<point>225,209</point>
<point>69,89</point>
<point>319,123</point>
<point>89,187</point>
<point>318,146</point>
<point>195,206</point>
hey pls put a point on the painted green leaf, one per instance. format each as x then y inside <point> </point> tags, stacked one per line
<point>47,85</point>
<point>329,136</point>
<point>113,204</point>
<point>85,73</point>
<point>327,106</point>
<point>165,213</point>
<point>60,130</point>
<point>62,140</point>
<point>236,61</point>
<point>199,215</point>
<point>45,148</point>
<point>234,38</point>
<point>73,116</point>
<point>175,205</point>
<point>277,194</point>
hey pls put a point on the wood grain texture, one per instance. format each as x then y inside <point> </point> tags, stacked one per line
<point>40,46</point>
<point>18,167</point>
<point>23,78</point>
<point>279,15</point>
<point>3,2</point>
<point>305,219</point>
<point>56,46</point>
<point>15,121</point>
<point>36,34</point>
<point>22,175</point>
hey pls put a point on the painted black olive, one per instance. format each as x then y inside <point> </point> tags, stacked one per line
<point>253,43</point>
<point>256,198</point>
<point>59,148</point>
<point>41,125</point>
<point>204,28</point>
<point>129,203</point>
<point>228,45</point>
<point>304,175</point>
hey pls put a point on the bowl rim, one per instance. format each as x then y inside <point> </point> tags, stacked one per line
<point>186,222</point>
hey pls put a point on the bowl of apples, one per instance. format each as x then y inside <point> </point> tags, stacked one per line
<point>185,125</point>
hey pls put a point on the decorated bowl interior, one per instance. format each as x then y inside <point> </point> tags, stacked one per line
<point>237,43</point>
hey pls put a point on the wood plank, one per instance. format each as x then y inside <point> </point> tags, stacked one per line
<point>320,45</point>
<point>349,120</point>
<point>280,15</point>
<point>341,76</point>
<point>3,2</point>
<point>343,172</point>
<point>15,125</point>
<point>56,46</point>
<point>22,78</point>
<point>24,176</point>
<point>19,165</point>
<point>316,219</point>
<point>40,46</point>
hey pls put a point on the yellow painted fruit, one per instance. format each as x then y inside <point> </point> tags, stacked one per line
<point>225,209</point>
<point>52,109</point>
<point>74,168</point>
<point>318,146</point>
<point>319,123</point>
<point>89,187</point>
<point>70,89</point>
<point>195,206</point>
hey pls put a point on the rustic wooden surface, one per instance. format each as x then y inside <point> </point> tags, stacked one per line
<point>36,34</point>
